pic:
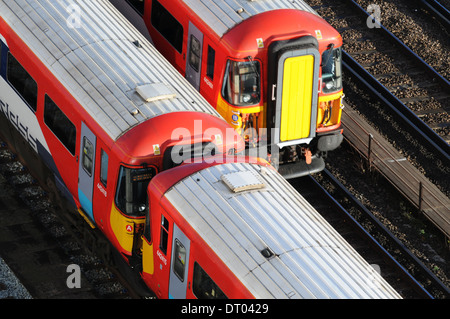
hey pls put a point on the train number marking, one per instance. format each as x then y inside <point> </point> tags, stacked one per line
<point>208,82</point>
<point>161,256</point>
<point>102,190</point>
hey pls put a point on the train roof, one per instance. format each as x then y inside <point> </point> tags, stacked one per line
<point>221,16</point>
<point>104,62</point>
<point>270,237</point>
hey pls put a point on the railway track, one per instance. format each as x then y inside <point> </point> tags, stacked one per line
<point>37,219</point>
<point>380,104</point>
<point>376,260</point>
<point>439,11</point>
<point>416,143</point>
<point>367,243</point>
<point>407,76</point>
<point>38,245</point>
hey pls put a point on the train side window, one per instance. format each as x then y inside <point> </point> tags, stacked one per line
<point>1,58</point>
<point>210,62</point>
<point>179,260</point>
<point>167,25</point>
<point>164,234</point>
<point>22,81</point>
<point>59,124</point>
<point>138,5</point>
<point>104,167</point>
<point>194,53</point>
<point>87,158</point>
<point>204,287</point>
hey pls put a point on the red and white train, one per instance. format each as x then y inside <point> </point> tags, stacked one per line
<point>100,108</point>
<point>240,230</point>
<point>271,68</point>
<point>97,112</point>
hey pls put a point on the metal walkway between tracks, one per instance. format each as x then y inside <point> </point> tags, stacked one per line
<point>397,169</point>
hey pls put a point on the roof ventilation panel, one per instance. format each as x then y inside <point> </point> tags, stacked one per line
<point>155,92</point>
<point>242,181</point>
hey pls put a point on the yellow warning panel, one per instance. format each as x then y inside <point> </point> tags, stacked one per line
<point>296,101</point>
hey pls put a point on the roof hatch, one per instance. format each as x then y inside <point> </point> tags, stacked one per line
<point>242,181</point>
<point>155,91</point>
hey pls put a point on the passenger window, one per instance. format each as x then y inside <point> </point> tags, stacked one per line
<point>22,81</point>
<point>167,25</point>
<point>87,157</point>
<point>180,259</point>
<point>164,234</point>
<point>1,58</point>
<point>104,168</point>
<point>194,53</point>
<point>60,124</point>
<point>210,62</point>
<point>204,287</point>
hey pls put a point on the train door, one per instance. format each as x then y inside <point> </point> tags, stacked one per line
<point>86,170</point>
<point>293,92</point>
<point>178,281</point>
<point>296,87</point>
<point>194,55</point>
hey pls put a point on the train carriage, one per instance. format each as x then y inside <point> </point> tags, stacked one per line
<point>271,68</point>
<point>100,115</point>
<point>97,111</point>
<point>240,230</point>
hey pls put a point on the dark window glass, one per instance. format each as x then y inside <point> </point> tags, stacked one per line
<point>167,25</point>
<point>164,234</point>
<point>22,81</point>
<point>104,168</point>
<point>131,196</point>
<point>1,58</point>
<point>87,158</point>
<point>179,256</point>
<point>60,124</point>
<point>194,53</point>
<point>210,62</point>
<point>188,153</point>
<point>332,70</point>
<point>204,287</point>
<point>242,83</point>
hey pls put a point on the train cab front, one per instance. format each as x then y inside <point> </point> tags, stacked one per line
<point>283,90</point>
<point>150,148</point>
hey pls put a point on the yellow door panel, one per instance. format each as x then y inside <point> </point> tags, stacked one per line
<point>297,92</point>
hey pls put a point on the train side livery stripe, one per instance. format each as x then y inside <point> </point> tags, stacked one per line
<point>24,120</point>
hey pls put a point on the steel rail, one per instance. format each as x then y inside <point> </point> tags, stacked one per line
<point>428,136</point>
<point>414,284</point>
<point>407,50</point>
<point>412,191</point>
<point>439,11</point>
<point>394,241</point>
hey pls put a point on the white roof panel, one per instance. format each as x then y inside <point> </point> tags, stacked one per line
<point>225,14</point>
<point>272,239</point>
<point>92,51</point>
